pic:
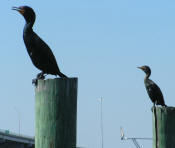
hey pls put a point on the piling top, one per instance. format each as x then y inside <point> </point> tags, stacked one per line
<point>63,81</point>
<point>57,79</point>
<point>165,110</point>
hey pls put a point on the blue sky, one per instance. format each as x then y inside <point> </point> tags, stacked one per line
<point>101,42</point>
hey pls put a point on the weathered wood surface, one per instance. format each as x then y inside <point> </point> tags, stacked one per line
<point>165,127</point>
<point>56,113</point>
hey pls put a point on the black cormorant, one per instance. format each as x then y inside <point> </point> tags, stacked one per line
<point>153,90</point>
<point>39,52</point>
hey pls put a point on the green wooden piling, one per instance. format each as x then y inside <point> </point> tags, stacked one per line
<point>165,127</point>
<point>56,113</point>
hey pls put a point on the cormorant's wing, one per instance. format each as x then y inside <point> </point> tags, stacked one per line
<point>41,55</point>
<point>154,92</point>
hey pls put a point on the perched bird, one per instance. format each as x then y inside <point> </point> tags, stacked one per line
<point>153,90</point>
<point>39,52</point>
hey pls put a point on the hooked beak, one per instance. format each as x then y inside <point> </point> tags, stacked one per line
<point>16,8</point>
<point>140,68</point>
<point>19,9</point>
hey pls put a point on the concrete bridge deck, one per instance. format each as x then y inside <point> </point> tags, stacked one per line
<point>13,140</point>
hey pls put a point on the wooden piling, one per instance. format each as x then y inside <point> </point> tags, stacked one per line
<point>164,127</point>
<point>56,113</point>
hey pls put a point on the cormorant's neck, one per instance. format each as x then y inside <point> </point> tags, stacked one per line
<point>28,27</point>
<point>147,76</point>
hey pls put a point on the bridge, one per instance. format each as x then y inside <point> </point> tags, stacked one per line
<point>12,140</point>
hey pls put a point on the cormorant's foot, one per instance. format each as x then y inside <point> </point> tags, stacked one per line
<point>35,82</point>
<point>153,107</point>
<point>164,106</point>
<point>41,76</point>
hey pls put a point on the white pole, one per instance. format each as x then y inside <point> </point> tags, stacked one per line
<point>101,115</point>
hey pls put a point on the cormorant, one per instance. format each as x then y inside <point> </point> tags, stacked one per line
<point>39,52</point>
<point>153,90</point>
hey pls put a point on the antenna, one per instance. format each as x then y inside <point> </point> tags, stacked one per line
<point>134,140</point>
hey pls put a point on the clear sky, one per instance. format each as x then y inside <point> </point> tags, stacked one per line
<point>101,42</point>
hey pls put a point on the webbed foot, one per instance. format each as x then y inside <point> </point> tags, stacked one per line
<point>35,81</point>
<point>40,76</point>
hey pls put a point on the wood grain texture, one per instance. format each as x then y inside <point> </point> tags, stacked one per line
<point>56,113</point>
<point>165,127</point>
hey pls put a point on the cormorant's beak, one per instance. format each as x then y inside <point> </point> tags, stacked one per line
<point>140,68</point>
<point>16,8</point>
<point>19,9</point>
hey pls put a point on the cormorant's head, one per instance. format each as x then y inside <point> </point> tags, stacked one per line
<point>146,69</point>
<point>27,12</point>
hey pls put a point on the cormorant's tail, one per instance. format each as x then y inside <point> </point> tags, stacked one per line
<point>62,75</point>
